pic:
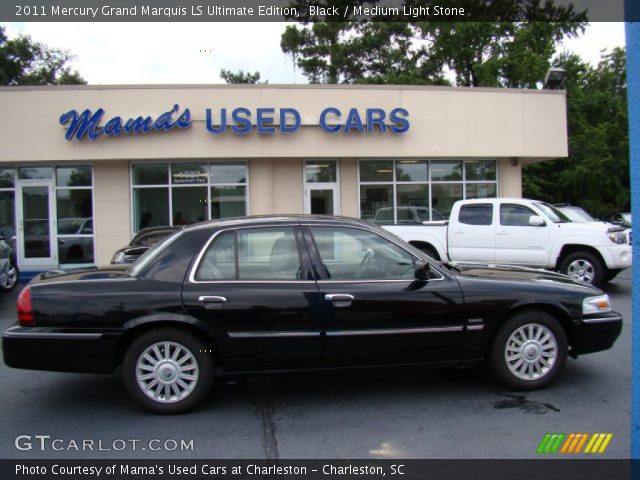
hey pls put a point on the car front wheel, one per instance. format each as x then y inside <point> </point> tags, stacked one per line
<point>168,371</point>
<point>12,279</point>
<point>529,351</point>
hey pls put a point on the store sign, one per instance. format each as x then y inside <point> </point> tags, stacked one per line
<point>188,177</point>
<point>87,124</point>
<point>240,121</point>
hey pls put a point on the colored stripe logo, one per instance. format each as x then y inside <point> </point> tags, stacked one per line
<point>574,443</point>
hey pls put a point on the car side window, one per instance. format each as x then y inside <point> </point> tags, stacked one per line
<point>252,254</point>
<point>512,215</point>
<point>355,254</point>
<point>476,214</point>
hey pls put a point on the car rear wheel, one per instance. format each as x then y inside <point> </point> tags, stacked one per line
<point>585,267</point>
<point>529,351</point>
<point>168,371</point>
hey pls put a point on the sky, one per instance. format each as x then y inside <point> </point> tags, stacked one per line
<point>181,53</point>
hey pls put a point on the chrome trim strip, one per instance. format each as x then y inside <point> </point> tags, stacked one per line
<point>393,331</point>
<point>475,327</point>
<point>272,334</point>
<point>52,335</point>
<point>617,318</point>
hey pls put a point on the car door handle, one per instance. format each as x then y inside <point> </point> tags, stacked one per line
<point>339,299</point>
<point>212,301</point>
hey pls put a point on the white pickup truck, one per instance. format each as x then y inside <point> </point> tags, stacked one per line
<point>517,231</point>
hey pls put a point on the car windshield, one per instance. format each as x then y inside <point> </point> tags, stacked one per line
<point>555,215</point>
<point>144,260</point>
<point>626,217</point>
<point>576,214</point>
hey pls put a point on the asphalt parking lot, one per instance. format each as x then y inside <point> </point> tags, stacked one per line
<point>401,413</point>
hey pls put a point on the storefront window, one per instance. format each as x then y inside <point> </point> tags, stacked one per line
<point>7,211</point>
<point>74,208</point>
<point>35,173</point>
<point>320,171</point>
<point>7,177</point>
<point>184,193</point>
<point>413,191</point>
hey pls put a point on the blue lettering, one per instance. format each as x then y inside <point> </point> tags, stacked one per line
<point>375,116</point>
<point>401,124</point>
<point>353,121</point>
<point>83,124</point>
<point>323,120</point>
<point>284,128</point>
<point>113,127</point>
<point>243,124</point>
<point>223,122</point>
<point>184,120</point>
<point>139,124</point>
<point>263,119</point>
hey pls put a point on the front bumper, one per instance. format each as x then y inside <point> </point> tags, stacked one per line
<point>596,333</point>
<point>38,348</point>
<point>617,256</point>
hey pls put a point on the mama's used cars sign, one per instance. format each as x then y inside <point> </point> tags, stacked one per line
<point>241,121</point>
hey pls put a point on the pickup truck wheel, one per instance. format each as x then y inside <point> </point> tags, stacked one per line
<point>585,267</point>
<point>529,351</point>
<point>167,371</point>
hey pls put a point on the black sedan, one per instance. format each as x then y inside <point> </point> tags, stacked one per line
<point>297,292</point>
<point>141,242</point>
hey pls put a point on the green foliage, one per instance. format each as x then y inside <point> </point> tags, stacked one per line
<point>25,62</point>
<point>596,174</point>
<point>240,77</point>
<point>514,53</point>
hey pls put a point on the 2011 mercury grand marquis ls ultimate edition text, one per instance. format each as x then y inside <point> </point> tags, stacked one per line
<point>299,292</point>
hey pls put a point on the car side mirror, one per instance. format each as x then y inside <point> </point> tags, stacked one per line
<point>536,221</point>
<point>422,270</point>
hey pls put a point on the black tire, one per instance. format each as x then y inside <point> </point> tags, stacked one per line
<point>178,402</point>
<point>12,278</point>
<point>584,266</point>
<point>611,274</point>
<point>429,250</point>
<point>532,352</point>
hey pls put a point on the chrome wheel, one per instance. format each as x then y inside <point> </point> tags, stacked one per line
<point>167,372</point>
<point>12,278</point>
<point>582,270</point>
<point>531,351</point>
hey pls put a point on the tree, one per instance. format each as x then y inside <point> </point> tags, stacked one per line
<point>514,52</point>
<point>240,77</point>
<point>596,173</point>
<point>25,62</point>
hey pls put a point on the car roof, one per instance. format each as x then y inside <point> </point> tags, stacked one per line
<point>275,219</point>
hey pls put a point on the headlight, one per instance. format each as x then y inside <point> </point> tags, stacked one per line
<point>118,258</point>
<point>618,237</point>
<point>599,304</point>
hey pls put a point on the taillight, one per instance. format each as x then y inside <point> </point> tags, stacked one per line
<point>25,310</point>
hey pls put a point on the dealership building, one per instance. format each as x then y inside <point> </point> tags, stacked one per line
<point>83,168</point>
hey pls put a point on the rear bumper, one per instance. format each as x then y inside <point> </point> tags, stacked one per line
<point>38,348</point>
<point>596,334</point>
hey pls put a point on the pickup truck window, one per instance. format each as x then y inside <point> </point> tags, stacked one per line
<point>555,215</point>
<point>476,214</point>
<point>515,215</point>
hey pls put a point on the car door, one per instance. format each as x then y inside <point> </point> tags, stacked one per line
<point>254,287</point>
<point>518,242</point>
<point>374,310</point>
<point>472,238</point>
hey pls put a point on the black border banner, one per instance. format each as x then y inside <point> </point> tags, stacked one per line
<point>299,10</point>
<point>574,469</point>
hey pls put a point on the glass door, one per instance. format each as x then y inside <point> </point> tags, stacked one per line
<point>321,187</point>
<point>36,229</point>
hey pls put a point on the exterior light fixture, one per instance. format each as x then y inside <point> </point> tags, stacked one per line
<point>554,79</point>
